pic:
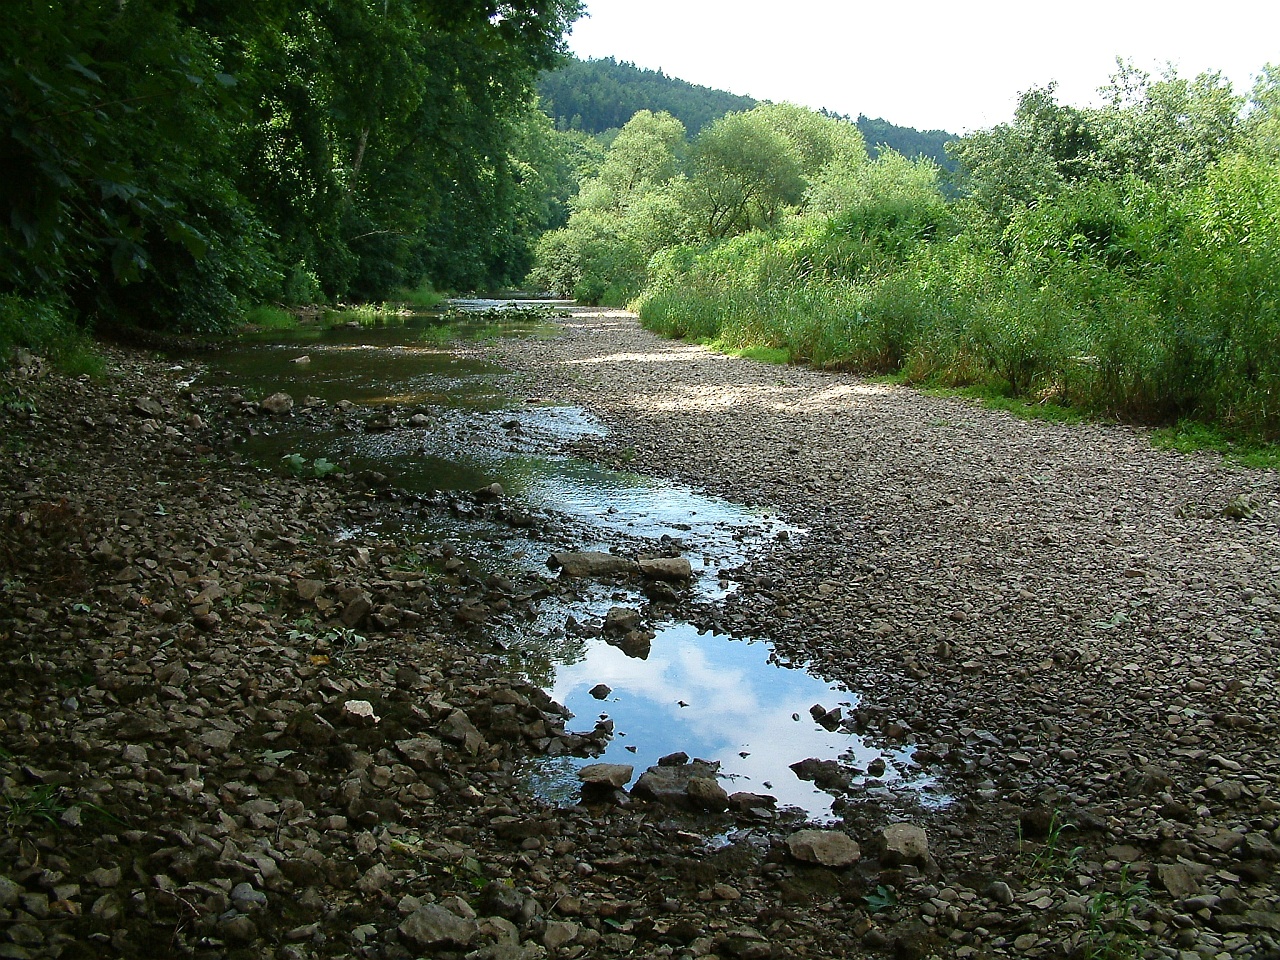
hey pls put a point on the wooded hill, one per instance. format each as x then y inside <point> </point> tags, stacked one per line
<point>595,96</point>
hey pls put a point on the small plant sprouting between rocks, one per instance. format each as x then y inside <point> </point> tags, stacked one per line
<point>300,466</point>
<point>25,807</point>
<point>881,899</point>
<point>1112,933</point>
<point>1053,860</point>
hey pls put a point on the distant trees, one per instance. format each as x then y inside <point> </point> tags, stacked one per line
<point>598,95</point>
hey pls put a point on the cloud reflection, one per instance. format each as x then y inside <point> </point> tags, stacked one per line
<point>737,702</point>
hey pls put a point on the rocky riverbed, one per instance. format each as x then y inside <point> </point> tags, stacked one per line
<point>235,725</point>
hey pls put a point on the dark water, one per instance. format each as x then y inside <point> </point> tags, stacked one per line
<point>711,697</point>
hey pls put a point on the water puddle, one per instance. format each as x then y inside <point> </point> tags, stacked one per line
<point>449,424</point>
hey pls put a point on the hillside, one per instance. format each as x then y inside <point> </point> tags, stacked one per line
<point>598,95</point>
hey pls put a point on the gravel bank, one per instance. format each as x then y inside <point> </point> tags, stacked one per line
<point>231,729</point>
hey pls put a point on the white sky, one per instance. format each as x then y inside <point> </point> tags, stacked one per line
<point>925,63</point>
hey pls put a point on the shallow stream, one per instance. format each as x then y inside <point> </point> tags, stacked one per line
<point>712,697</point>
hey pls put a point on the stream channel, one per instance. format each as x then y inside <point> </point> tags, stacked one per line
<point>453,422</point>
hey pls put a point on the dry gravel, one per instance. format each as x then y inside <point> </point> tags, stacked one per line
<point>227,731</point>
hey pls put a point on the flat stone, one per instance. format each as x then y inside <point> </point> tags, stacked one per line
<point>592,565</point>
<point>670,569</point>
<point>615,775</point>
<point>431,925</point>
<point>828,848</point>
<point>1178,879</point>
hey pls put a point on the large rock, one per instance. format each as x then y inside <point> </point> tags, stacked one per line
<point>606,775</point>
<point>670,569</point>
<point>827,848</point>
<point>432,925</point>
<point>669,783</point>
<point>592,565</point>
<point>277,403</point>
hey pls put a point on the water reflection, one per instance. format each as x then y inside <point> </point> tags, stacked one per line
<point>714,699</point>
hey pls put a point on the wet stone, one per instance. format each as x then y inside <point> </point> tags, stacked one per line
<point>827,848</point>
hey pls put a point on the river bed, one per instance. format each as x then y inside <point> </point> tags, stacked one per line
<point>436,417</point>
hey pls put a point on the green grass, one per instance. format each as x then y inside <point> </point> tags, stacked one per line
<point>1187,436</point>
<point>268,317</point>
<point>423,297</point>
<point>779,356</point>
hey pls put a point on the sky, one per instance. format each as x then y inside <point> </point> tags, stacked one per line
<point>927,64</point>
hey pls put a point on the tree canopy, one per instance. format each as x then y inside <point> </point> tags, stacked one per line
<point>168,160</point>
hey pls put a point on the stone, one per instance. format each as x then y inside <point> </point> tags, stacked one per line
<point>559,933</point>
<point>238,930</point>
<point>431,925</point>
<point>374,879</point>
<point>614,775</point>
<point>360,712</point>
<point>827,848</point>
<point>592,565</point>
<point>458,728</point>
<point>9,893</point>
<point>621,620</point>
<point>277,403</point>
<point>669,569</point>
<point>669,783</point>
<point>706,794</point>
<point>356,610</point>
<point>1178,879</point>
<point>904,843</point>
<point>490,494</point>
<point>148,407</point>
<point>422,752</point>
<point>1001,893</point>
<point>309,589</point>
<point>600,691</point>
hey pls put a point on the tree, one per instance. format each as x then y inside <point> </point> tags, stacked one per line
<point>744,174</point>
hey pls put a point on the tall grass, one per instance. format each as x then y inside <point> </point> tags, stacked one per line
<point>1110,298</point>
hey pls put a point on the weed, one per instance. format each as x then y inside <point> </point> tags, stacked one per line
<point>300,466</point>
<point>1111,933</point>
<point>881,899</point>
<point>424,296</point>
<point>39,804</point>
<point>1188,436</point>
<point>268,317</point>
<point>1053,860</point>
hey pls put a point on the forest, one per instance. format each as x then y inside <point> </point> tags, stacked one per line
<point>169,164</point>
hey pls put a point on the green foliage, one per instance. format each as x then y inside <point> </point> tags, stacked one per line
<point>167,164</point>
<point>914,144</point>
<point>269,317</point>
<point>300,466</point>
<point>1072,279</point>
